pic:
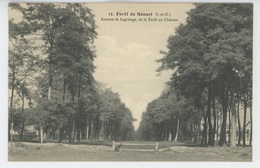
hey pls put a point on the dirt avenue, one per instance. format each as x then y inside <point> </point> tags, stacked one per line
<point>81,152</point>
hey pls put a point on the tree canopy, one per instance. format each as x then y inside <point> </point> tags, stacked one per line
<point>211,55</point>
<point>53,46</point>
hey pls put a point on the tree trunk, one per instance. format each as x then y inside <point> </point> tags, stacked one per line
<point>217,131</point>
<point>22,129</point>
<point>204,132</point>
<point>91,129</point>
<point>22,132</point>
<point>166,135</point>
<point>239,124</point>
<point>87,133</point>
<point>64,90</point>
<point>198,129</point>
<point>41,133</point>
<point>172,128</point>
<point>79,134</point>
<point>229,124</point>
<point>244,123</point>
<point>41,127</point>
<point>170,136</point>
<point>61,133</point>
<point>106,130</point>
<point>195,135</point>
<point>191,134</point>
<point>48,134</point>
<point>49,93</point>
<point>101,132</point>
<point>209,117</point>
<point>177,130</point>
<point>73,131</point>
<point>12,115</point>
<point>215,120</point>
<point>233,121</point>
<point>10,137</point>
<point>222,140</point>
<point>44,136</point>
<point>251,123</point>
<point>71,134</point>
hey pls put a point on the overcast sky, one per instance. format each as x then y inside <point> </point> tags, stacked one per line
<point>127,51</point>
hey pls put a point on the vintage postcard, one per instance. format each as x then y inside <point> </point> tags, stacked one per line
<point>130,82</point>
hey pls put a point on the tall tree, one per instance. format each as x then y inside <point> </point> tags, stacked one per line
<point>67,32</point>
<point>209,54</point>
<point>21,64</point>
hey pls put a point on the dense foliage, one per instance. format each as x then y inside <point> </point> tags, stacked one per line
<point>211,55</point>
<point>51,66</point>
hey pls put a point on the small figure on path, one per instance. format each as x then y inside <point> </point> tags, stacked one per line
<point>117,149</point>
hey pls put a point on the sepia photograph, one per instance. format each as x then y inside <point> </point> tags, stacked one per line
<point>130,82</point>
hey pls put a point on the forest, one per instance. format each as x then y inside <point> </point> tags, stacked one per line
<point>211,85</point>
<point>207,100</point>
<point>51,83</point>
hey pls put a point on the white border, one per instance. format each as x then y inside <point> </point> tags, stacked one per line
<point>4,99</point>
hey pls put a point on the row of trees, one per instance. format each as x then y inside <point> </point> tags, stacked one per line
<point>211,55</point>
<point>170,117</point>
<point>51,56</point>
